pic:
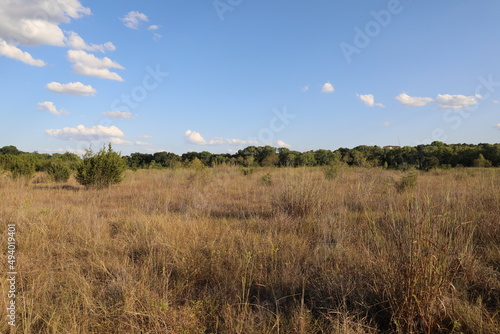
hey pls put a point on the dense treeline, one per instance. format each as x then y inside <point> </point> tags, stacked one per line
<point>424,157</point>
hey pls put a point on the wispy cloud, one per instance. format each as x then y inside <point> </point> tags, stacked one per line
<point>50,107</point>
<point>410,101</point>
<point>386,124</point>
<point>193,137</point>
<point>133,19</point>
<point>76,42</point>
<point>119,114</point>
<point>72,88</point>
<point>13,52</point>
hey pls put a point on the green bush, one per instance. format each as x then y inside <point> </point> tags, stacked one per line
<point>22,167</point>
<point>58,170</point>
<point>101,169</point>
<point>332,170</point>
<point>266,179</point>
<point>408,181</point>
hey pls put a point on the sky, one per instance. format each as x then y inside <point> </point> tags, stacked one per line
<point>220,75</point>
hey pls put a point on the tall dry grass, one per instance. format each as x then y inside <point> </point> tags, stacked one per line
<point>217,251</point>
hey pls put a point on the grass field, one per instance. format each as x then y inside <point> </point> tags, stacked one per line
<point>276,251</point>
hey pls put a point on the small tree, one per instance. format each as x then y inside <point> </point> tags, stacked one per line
<point>101,169</point>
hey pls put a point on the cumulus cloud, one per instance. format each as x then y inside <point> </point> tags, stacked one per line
<point>13,52</point>
<point>447,101</point>
<point>119,114</point>
<point>369,100</point>
<point>194,137</point>
<point>33,23</point>
<point>50,107</point>
<point>88,64</point>
<point>410,101</point>
<point>93,133</point>
<point>72,88</point>
<point>28,22</point>
<point>154,27</point>
<point>76,42</point>
<point>133,19</point>
<point>327,88</point>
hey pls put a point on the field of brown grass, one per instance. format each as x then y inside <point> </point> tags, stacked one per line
<point>276,251</point>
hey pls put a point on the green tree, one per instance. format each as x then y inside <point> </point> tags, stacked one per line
<point>101,169</point>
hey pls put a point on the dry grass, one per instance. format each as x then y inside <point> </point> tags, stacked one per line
<point>216,251</point>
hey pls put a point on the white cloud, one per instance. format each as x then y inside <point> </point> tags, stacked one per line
<point>119,114</point>
<point>369,100</point>
<point>327,88</point>
<point>28,22</point>
<point>409,101</point>
<point>194,137</point>
<point>153,28</point>
<point>497,126</point>
<point>73,88</point>
<point>88,64</point>
<point>76,42</point>
<point>447,101</point>
<point>94,133</point>
<point>305,88</point>
<point>133,19</point>
<point>34,23</point>
<point>50,107</point>
<point>145,137</point>
<point>64,150</point>
<point>387,124</point>
<point>281,143</point>
<point>495,101</point>
<point>13,52</point>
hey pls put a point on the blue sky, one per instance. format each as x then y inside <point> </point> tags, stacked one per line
<point>221,75</point>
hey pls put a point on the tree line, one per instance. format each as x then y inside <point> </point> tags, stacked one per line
<point>423,157</point>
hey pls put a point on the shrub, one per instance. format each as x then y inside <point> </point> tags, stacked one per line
<point>408,181</point>
<point>22,167</point>
<point>58,171</point>
<point>101,169</point>
<point>266,179</point>
<point>332,170</point>
<point>247,171</point>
